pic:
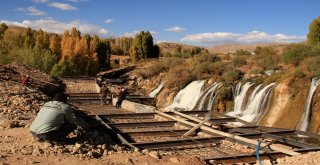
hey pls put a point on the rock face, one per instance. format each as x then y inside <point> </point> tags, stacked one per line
<point>280,102</point>
<point>315,118</point>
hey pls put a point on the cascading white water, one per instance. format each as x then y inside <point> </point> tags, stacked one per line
<point>236,91</point>
<point>213,96</point>
<point>256,106</point>
<point>254,93</point>
<point>209,91</point>
<point>305,119</point>
<point>239,99</point>
<point>155,92</point>
<point>187,98</point>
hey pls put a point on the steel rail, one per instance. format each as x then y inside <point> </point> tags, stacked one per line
<point>151,114</point>
<point>249,158</point>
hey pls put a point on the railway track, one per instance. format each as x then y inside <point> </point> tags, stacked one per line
<point>221,139</point>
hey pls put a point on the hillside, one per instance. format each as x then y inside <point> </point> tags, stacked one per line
<point>231,48</point>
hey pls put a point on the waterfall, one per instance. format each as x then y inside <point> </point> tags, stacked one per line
<point>155,92</point>
<point>187,98</point>
<point>239,99</point>
<point>209,91</point>
<point>304,121</point>
<point>254,93</point>
<point>213,96</point>
<point>256,106</point>
<point>236,91</point>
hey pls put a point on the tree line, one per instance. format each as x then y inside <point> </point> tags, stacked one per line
<point>71,53</point>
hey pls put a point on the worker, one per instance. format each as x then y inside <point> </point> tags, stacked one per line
<point>99,80</point>
<point>104,91</point>
<point>26,81</point>
<point>122,95</point>
<point>54,121</point>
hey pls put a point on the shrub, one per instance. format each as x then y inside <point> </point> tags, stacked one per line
<point>296,52</point>
<point>314,66</point>
<point>179,77</point>
<point>269,61</point>
<point>298,73</point>
<point>206,57</point>
<point>231,76</point>
<point>256,71</point>
<point>239,60</point>
<point>226,93</point>
<point>153,70</point>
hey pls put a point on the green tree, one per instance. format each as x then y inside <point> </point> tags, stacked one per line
<point>103,53</point>
<point>3,28</point>
<point>65,67</point>
<point>142,46</point>
<point>314,32</point>
<point>29,38</point>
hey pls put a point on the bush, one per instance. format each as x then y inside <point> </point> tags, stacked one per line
<point>269,61</point>
<point>256,71</point>
<point>226,93</point>
<point>298,73</point>
<point>206,57</point>
<point>178,77</point>
<point>314,66</point>
<point>231,76</point>
<point>239,60</point>
<point>153,70</point>
<point>295,53</point>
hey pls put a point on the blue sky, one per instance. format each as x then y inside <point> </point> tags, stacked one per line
<point>195,22</point>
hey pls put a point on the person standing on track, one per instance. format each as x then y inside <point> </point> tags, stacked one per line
<point>122,95</point>
<point>104,91</point>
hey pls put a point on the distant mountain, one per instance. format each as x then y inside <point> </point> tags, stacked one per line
<point>224,49</point>
<point>231,48</point>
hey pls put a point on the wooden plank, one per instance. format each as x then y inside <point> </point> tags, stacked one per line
<point>191,118</point>
<point>196,127</point>
<point>273,147</point>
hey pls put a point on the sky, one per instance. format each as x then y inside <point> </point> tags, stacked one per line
<point>193,22</point>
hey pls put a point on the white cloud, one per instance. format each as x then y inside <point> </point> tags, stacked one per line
<point>31,10</point>
<point>109,21</point>
<point>176,29</point>
<point>247,38</point>
<point>39,1</point>
<point>62,6</point>
<point>133,33</point>
<point>12,23</point>
<point>54,26</point>
<point>76,1</point>
<point>130,34</point>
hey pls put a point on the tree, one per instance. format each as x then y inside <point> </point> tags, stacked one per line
<point>29,38</point>
<point>142,46</point>
<point>103,53</point>
<point>3,28</point>
<point>314,32</point>
<point>55,44</point>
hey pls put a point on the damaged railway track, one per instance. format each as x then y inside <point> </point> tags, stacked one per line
<point>217,139</point>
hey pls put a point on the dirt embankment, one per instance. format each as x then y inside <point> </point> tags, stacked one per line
<point>15,72</point>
